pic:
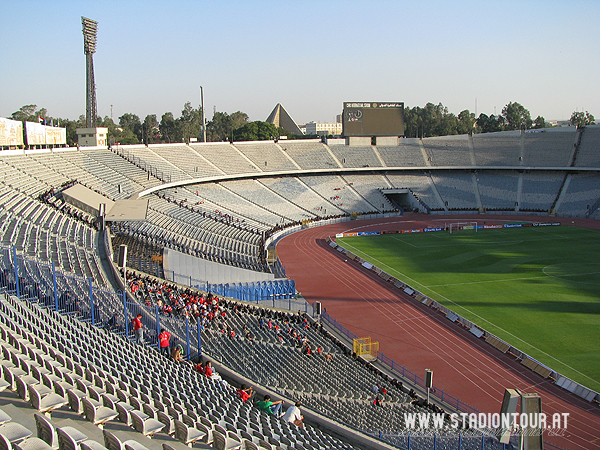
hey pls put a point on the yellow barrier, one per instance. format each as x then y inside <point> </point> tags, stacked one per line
<point>364,348</point>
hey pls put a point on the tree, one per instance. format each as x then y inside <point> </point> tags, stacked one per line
<point>150,129</point>
<point>490,124</point>
<point>238,119</point>
<point>516,117</point>
<point>539,122</point>
<point>191,122</point>
<point>256,131</point>
<point>29,113</point>
<point>169,128</point>
<point>582,119</point>
<point>219,128</point>
<point>466,122</point>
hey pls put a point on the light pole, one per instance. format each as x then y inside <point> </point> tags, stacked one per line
<point>203,115</point>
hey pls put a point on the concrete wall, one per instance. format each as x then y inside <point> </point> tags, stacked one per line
<point>185,266</point>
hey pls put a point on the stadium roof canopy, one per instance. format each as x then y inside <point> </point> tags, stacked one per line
<point>281,118</point>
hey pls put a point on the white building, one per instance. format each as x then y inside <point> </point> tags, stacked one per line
<point>92,137</point>
<point>324,129</point>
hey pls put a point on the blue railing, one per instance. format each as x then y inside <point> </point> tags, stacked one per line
<point>81,298</point>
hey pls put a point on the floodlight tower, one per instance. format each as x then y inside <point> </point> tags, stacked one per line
<point>90,29</point>
<point>91,135</point>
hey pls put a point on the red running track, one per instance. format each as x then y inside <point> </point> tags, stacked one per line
<point>418,337</point>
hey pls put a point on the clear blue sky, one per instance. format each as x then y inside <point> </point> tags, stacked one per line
<point>310,56</point>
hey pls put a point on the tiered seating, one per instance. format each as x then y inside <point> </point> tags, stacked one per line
<point>368,187</point>
<point>336,190</point>
<point>448,150</point>
<point>219,195</point>
<point>125,168</point>
<point>355,156</point>
<point>19,180</point>
<point>457,190</point>
<point>421,185</point>
<point>227,158</point>
<point>340,387</point>
<point>113,378</point>
<point>37,170</point>
<point>497,149</point>
<point>266,155</point>
<point>63,166</point>
<point>540,190</point>
<point>407,153</point>
<point>106,180</point>
<point>309,154</point>
<point>583,191</point>
<point>588,154</point>
<point>267,199</point>
<point>150,160</point>
<point>550,147</point>
<point>498,190</point>
<point>300,194</point>
<point>187,159</point>
<point>39,231</point>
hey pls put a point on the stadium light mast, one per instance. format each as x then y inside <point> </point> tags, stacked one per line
<point>90,29</point>
<point>203,115</point>
<point>91,135</point>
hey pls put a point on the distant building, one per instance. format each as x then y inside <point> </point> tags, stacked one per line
<point>92,137</point>
<point>324,129</point>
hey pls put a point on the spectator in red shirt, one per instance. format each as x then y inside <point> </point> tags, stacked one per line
<point>245,393</point>
<point>163,339</point>
<point>138,329</point>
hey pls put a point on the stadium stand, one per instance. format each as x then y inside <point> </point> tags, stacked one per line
<point>449,150</point>
<point>294,190</point>
<point>549,147</point>
<point>185,158</point>
<point>498,190</point>
<point>583,191</point>
<point>368,187</point>
<point>498,149</point>
<point>224,222</point>
<point>587,155</point>
<point>422,187</point>
<point>339,192</point>
<point>457,190</point>
<point>227,158</point>
<point>539,190</point>
<point>310,154</point>
<point>268,155</point>
<point>355,156</point>
<point>267,199</point>
<point>407,153</point>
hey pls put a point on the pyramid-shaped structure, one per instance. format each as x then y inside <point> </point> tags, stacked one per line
<point>280,118</point>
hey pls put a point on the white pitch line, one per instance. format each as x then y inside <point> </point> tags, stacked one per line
<point>485,281</point>
<point>382,264</point>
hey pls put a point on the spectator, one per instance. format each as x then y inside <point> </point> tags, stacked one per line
<point>245,393</point>
<point>199,367</point>
<point>378,401</point>
<point>209,372</point>
<point>138,329</point>
<point>177,353</point>
<point>293,415</point>
<point>273,408</point>
<point>163,339</point>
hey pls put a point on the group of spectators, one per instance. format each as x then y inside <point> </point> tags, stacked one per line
<point>48,197</point>
<point>178,244</point>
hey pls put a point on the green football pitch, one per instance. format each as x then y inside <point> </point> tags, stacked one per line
<point>537,288</point>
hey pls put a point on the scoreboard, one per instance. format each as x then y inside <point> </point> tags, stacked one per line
<point>366,119</point>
